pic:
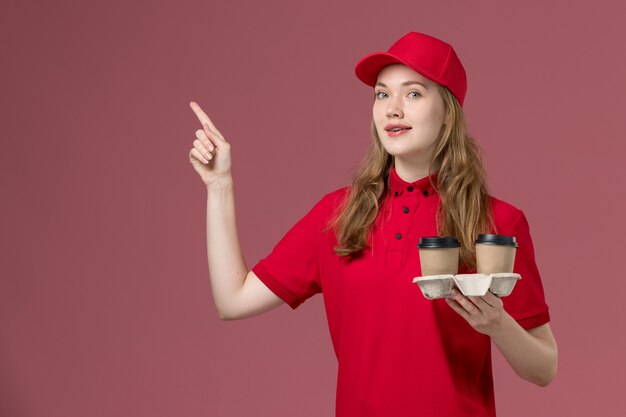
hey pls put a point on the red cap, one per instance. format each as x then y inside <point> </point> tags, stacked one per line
<point>431,57</point>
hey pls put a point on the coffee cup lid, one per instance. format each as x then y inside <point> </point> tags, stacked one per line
<point>496,240</point>
<point>429,242</point>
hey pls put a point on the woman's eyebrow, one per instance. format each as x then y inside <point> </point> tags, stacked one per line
<point>404,84</point>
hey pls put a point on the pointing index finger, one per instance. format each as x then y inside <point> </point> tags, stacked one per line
<point>202,116</point>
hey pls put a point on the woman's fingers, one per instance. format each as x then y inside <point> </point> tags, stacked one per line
<point>464,302</point>
<point>197,145</point>
<point>198,155</point>
<point>216,137</point>
<point>202,137</point>
<point>458,308</point>
<point>493,300</point>
<point>480,303</point>
<point>479,312</point>
<point>205,120</point>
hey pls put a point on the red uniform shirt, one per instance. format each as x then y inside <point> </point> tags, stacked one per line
<point>398,353</point>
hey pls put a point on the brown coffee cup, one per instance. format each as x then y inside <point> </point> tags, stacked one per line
<point>439,255</point>
<point>495,253</point>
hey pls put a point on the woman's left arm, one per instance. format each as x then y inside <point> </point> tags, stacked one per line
<point>531,353</point>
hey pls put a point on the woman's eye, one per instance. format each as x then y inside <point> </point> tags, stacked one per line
<point>382,94</point>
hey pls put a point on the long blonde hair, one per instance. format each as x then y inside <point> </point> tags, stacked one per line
<point>464,211</point>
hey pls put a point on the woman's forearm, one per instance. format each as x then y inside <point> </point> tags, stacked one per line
<point>227,268</point>
<point>531,357</point>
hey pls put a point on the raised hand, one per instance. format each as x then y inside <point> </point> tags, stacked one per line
<point>210,155</point>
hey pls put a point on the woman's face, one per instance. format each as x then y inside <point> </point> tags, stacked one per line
<point>400,100</point>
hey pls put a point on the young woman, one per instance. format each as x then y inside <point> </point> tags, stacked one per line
<point>399,354</point>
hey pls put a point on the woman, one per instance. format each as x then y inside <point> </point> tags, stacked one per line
<point>399,354</point>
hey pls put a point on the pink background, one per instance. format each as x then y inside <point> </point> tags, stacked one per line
<point>105,303</point>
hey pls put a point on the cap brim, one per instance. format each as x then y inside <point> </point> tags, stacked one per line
<point>367,69</point>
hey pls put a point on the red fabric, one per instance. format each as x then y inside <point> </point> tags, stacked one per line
<point>398,353</point>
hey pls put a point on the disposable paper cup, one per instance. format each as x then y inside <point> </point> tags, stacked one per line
<point>495,253</point>
<point>439,255</point>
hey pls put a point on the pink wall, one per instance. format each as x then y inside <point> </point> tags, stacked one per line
<point>105,303</point>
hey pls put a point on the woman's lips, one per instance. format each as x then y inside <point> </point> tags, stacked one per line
<point>398,133</point>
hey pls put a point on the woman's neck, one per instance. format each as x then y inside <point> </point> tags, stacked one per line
<point>410,172</point>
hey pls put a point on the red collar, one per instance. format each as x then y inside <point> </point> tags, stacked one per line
<point>422,186</point>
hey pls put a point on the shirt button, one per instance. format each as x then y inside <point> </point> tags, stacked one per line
<point>410,188</point>
<point>395,193</point>
<point>406,209</point>
<point>425,192</point>
<point>398,235</point>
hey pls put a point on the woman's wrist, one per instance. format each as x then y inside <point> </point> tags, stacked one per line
<point>505,324</point>
<point>220,184</point>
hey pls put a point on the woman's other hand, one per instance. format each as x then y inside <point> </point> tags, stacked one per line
<point>484,313</point>
<point>531,353</point>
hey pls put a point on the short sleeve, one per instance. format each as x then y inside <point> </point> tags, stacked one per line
<point>526,304</point>
<point>291,270</point>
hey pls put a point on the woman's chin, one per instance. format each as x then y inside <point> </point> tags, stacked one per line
<point>395,149</point>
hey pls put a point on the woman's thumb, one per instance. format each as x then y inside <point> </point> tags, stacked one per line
<point>213,134</point>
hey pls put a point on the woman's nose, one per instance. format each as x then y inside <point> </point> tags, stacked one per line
<point>394,108</point>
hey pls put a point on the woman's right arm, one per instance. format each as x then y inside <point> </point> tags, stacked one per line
<point>237,293</point>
